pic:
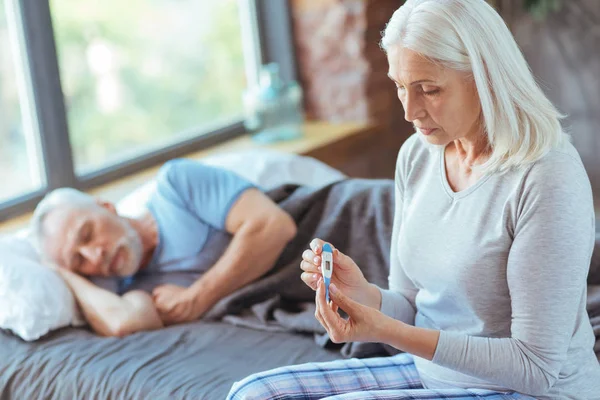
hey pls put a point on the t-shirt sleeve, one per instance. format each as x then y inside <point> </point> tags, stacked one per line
<point>207,192</point>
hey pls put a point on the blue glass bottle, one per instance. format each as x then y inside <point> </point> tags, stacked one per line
<point>273,110</point>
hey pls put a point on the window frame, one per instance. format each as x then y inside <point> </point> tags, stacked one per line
<point>267,25</point>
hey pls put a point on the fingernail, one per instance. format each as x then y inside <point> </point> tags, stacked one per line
<point>316,260</point>
<point>332,288</point>
<point>315,276</point>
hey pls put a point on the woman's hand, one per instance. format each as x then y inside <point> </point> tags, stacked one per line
<point>347,276</point>
<point>363,323</point>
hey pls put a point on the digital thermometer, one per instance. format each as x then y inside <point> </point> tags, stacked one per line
<point>327,267</point>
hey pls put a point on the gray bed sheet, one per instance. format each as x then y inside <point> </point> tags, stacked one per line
<point>200,360</point>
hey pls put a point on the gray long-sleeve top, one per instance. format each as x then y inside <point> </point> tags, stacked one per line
<point>500,269</point>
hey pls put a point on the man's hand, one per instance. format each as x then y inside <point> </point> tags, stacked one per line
<point>176,304</point>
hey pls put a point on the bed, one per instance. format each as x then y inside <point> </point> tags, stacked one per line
<point>267,324</point>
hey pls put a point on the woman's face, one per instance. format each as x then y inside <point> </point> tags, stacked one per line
<point>441,103</point>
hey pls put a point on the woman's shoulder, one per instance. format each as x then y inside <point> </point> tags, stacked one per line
<point>559,163</point>
<point>559,173</point>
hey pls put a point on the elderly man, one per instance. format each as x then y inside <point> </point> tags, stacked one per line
<point>193,204</point>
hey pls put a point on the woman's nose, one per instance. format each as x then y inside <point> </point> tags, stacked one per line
<point>413,110</point>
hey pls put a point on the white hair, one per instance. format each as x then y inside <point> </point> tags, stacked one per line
<point>521,124</point>
<point>56,198</point>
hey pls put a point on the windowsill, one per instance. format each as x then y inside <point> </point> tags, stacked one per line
<point>329,142</point>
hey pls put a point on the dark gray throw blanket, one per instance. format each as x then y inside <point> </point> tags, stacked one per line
<point>356,216</point>
<point>593,307</point>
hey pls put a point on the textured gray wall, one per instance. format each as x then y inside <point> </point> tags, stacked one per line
<point>564,53</point>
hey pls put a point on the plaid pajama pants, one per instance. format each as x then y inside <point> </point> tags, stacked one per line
<point>371,378</point>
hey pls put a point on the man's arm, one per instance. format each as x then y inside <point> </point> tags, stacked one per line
<point>260,232</point>
<point>109,314</point>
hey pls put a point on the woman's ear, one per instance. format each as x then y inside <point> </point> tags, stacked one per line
<point>108,205</point>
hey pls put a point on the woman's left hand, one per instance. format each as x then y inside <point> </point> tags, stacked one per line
<point>363,323</point>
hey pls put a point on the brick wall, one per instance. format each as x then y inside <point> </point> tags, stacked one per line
<point>344,72</point>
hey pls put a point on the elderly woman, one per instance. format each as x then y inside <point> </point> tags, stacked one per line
<point>493,234</point>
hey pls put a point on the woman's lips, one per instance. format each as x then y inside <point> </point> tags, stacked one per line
<point>427,132</point>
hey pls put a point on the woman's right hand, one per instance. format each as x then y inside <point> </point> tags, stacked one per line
<point>347,276</point>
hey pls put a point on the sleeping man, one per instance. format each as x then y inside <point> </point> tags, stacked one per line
<point>199,218</point>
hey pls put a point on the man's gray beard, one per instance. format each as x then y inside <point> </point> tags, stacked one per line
<point>132,243</point>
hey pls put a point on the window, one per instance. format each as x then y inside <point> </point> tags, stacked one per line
<point>138,75</point>
<point>20,169</point>
<point>91,91</point>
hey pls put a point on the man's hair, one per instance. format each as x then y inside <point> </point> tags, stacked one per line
<point>56,198</point>
<point>520,122</point>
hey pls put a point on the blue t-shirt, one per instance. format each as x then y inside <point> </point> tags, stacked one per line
<point>190,205</point>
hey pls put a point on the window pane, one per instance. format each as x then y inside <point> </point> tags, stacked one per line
<point>139,74</point>
<point>20,171</point>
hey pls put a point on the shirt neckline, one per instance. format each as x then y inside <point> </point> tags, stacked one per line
<point>444,178</point>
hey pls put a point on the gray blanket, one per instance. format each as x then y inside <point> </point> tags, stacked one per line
<point>357,217</point>
<point>593,307</point>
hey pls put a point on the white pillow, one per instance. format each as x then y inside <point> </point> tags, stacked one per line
<point>33,299</point>
<point>265,168</point>
<point>270,168</point>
